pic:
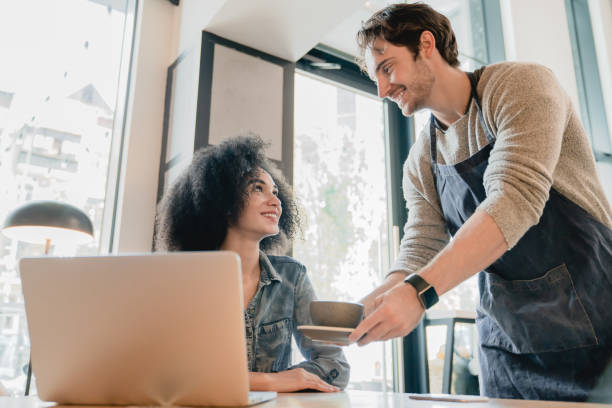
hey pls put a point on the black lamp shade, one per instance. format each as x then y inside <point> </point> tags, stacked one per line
<point>37,221</point>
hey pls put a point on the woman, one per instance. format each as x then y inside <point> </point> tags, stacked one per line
<point>233,198</point>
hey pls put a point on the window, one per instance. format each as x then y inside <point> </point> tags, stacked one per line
<point>592,106</point>
<point>59,92</point>
<point>340,178</point>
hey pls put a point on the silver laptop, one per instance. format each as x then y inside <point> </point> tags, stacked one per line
<point>150,329</point>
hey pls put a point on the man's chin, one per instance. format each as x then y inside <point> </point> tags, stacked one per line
<point>407,112</point>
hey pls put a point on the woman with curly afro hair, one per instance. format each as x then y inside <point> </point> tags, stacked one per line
<point>233,198</point>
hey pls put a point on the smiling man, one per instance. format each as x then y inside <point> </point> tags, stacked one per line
<point>505,168</point>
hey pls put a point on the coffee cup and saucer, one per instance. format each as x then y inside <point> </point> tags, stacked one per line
<point>333,321</point>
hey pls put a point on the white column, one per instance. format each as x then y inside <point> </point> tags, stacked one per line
<point>153,49</point>
<point>601,19</point>
<point>537,31</point>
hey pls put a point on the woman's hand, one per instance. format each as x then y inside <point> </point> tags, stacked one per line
<point>296,379</point>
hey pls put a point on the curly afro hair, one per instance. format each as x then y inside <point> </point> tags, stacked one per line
<point>209,196</point>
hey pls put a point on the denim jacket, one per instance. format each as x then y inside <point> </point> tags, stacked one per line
<point>281,303</point>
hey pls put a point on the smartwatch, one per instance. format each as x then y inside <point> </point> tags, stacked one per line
<point>425,292</point>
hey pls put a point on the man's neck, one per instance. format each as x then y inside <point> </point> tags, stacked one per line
<point>450,95</point>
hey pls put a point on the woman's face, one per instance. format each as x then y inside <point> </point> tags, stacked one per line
<point>262,210</point>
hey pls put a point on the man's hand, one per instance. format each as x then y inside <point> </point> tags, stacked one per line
<point>369,301</point>
<point>396,313</point>
<point>296,379</point>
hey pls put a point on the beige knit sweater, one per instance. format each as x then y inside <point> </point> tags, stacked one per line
<point>540,143</point>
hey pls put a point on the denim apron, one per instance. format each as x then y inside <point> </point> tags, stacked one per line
<point>545,314</point>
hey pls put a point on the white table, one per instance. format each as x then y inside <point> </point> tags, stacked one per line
<point>354,399</point>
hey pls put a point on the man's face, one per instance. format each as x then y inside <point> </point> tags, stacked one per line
<point>399,77</point>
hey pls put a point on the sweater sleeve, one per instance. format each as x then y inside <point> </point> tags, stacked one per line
<point>528,112</point>
<point>425,232</point>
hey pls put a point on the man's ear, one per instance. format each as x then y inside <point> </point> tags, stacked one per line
<point>427,44</point>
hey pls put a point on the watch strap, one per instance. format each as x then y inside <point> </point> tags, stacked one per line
<point>425,292</point>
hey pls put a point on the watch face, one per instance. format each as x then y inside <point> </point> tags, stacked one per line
<point>429,297</point>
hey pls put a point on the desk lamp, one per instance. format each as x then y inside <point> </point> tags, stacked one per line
<point>43,222</point>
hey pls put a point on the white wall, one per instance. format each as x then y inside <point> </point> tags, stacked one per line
<point>155,44</point>
<point>537,31</point>
<point>601,19</point>
<point>194,15</point>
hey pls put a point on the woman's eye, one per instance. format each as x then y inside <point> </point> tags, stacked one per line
<point>387,69</point>
<point>257,188</point>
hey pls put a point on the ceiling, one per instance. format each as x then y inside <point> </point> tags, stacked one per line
<point>288,29</point>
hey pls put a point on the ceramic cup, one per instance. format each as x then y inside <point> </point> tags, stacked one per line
<point>336,314</point>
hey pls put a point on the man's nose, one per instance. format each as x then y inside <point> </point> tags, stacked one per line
<point>383,88</point>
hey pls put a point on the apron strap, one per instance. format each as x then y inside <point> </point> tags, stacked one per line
<point>433,140</point>
<point>433,151</point>
<point>476,99</point>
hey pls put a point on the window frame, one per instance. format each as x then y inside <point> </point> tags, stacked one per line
<point>109,227</point>
<point>203,103</point>
<point>588,81</point>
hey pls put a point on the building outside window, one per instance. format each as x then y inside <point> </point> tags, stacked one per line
<point>59,88</point>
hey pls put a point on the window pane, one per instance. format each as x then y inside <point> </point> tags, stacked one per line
<point>436,343</point>
<point>465,360</point>
<point>58,91</point>
<point>464,369</point>
<point>340,180</point>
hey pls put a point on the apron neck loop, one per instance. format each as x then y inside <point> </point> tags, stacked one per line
<point>433,152</point>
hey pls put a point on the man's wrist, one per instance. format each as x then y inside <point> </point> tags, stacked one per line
<point>394,277</point>
<point>425,292</point>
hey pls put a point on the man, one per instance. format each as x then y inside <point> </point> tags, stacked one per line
<point>505,168</point>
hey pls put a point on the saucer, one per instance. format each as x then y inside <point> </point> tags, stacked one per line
<point>327,333</point>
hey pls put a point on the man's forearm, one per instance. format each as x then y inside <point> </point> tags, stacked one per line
<point>477,244</point>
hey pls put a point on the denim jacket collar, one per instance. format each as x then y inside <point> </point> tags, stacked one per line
<point>268,273</point>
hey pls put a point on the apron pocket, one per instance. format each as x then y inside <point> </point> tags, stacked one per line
<point>533,316</point>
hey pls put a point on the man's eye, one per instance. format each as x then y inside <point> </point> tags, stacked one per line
<point>257,187</point>
<point>386,69</point>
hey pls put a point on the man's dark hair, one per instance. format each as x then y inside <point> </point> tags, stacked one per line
<point>211,193</point>
<point>403,24</point>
